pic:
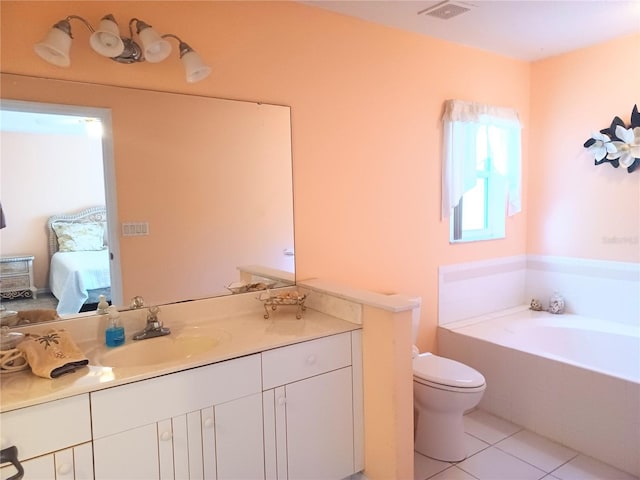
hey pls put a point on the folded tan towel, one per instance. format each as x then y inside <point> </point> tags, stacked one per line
<point>52,354</point>
<point>36,316</point>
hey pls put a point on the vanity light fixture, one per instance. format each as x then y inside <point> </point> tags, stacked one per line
<point>106,41</point>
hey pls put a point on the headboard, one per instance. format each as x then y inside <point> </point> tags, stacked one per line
<point>88,215</point>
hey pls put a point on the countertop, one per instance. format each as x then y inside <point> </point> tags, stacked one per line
<point>239,335</point>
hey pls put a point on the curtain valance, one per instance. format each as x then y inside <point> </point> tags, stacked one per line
<point>461,111</point>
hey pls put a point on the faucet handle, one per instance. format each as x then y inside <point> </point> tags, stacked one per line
<point>152,316</point>
<point>137,302</point>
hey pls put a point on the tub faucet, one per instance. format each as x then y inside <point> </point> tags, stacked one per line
<point>154,326</point>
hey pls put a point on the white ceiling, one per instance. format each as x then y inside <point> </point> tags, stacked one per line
<point>522,29</point>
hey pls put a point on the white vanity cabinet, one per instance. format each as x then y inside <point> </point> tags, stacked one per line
<point>204,423</point>
<point>292,412</point>
<point>313,408</point>
<point>53,440</point>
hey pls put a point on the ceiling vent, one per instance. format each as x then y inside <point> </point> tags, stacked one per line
<point>446,10</point>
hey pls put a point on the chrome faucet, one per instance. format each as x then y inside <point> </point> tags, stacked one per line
<point>154,326</point>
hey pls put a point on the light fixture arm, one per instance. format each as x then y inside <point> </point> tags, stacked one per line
<point>184,47</point>
<point>76,17</point>
<point>131,26</point>
<point>65,25</point>
<point>140,25</point>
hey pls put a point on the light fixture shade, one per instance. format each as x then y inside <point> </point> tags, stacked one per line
<point>106,39</point>
<point>54,48</point>
<point>154,47</point>
<point>195,68</point>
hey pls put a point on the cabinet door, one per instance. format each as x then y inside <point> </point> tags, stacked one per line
<point>69,464</point>
<point>165,449</point>
<point>239,439</point>
<point>319,426</point>
<point>83,461</point>
<point>208,443</point>
<point>180,447</point>
<point>34,469</point>
<point>64,464</point>
<point>132,455</point>
<point>221,442</point>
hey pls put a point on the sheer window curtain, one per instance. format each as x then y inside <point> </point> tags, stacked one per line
<point>461,121</point>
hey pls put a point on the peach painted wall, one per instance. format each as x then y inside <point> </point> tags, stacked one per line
<point>366,105</point>
<point>577,209</point>
<point>35,184</point>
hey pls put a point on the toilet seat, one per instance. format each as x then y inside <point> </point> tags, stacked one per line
<point>446,374</point>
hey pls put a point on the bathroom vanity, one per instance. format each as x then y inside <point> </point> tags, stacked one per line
<point>274,399</point>
<point>282,396</point>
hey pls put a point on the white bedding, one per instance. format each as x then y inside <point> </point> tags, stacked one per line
<point>73,274</point>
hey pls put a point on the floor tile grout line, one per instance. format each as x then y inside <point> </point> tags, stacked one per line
<point>497,441</point>
<point>523,460</point>
<point>495,444</point>
<point>457,464</point>
<point>449,468</point>
<point>568,461</point>
<point>576,454</point>
<point>469,473</point>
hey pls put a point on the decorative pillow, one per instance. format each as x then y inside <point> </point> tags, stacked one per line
<point>79,237</point>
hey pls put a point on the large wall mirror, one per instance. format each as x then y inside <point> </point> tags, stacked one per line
<point>210,178</point>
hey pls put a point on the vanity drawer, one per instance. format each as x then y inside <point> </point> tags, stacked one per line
<point>141,403</point>
<point>47,427</point>
<point>302,360</point>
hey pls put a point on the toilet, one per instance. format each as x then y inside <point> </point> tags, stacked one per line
<point>443,390</point>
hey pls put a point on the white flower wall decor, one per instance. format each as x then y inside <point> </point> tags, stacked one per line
<point>617,144</point>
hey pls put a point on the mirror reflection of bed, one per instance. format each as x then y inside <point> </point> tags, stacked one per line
<point>79,260</point>
<point>59,153</point>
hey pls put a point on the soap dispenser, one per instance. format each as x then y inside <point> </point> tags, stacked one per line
<point>103,306</point>
<point>114,334</point>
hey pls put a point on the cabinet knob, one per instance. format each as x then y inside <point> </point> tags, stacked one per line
<point>208,422</point>
<point>64,469</point>
<point>282,400</point>
<point>164,436</point>
<point>311,359</point>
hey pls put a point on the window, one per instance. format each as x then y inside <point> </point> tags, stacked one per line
<point>481,170</point>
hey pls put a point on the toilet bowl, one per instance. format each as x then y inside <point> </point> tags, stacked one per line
<point>443,389</point>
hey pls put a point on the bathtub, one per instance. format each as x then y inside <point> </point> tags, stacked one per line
<point>567,377</point>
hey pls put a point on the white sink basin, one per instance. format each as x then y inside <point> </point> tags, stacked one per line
<point>185,345</point>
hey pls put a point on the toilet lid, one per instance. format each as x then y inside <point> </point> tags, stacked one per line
<point>444,371</point>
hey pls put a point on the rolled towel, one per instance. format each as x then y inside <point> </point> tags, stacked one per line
<point>52,354</point>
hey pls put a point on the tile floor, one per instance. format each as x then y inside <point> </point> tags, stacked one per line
<point>500,450</point>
